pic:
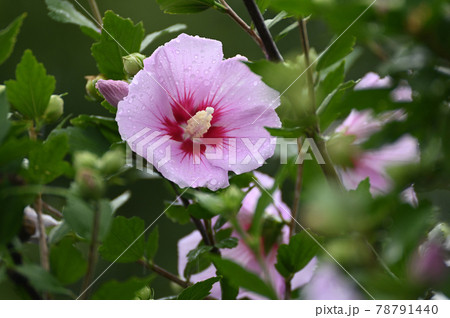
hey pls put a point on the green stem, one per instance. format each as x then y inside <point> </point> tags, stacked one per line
<point>92,256</point>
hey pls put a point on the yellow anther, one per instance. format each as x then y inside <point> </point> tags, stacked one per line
<point>199,124</point>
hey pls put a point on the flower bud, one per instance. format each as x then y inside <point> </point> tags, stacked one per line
<point>90,183</point>
<point>112,91</point>
<point>2,88</point>
<point>428,265</point>
<point>133,63</point>
<point>111,162</point>
<point>55,109</point>
<point>341,149</point>
<point>91,91</point>
<point>144,293</point>
<point>85,159</point>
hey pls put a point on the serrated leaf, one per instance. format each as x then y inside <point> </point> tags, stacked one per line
<point>4,110</point>
<point>198,260</point>
<point>198,291</point>
<point>337,50</point>
<point>185,6</point>
<point>150,38</point>
<point>294,256</point>
<point>31,91</point>
<point>108,53</point>
<point>8,37</point>
<point>240,277</point>
<point>66,262</point>
<point>114,290</point>
<point>46,162</point>
<point>64,11</point>
<point>152,244</point>
<point>125,237</point>
<point>79,215</point>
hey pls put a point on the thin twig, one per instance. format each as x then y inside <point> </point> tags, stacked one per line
<point>43,248</point>
<point>92,255</point>
<point>168,275</point>
<point>243,25</point>
<point>96,11</point>
<point>51,210</point>
<point>271,50</point>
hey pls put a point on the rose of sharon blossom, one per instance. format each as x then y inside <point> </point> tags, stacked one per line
<point>195,116</point>
<point>242,253</point>
<point>402,93</point>
<point>373,164</point>
<point>329,283</point>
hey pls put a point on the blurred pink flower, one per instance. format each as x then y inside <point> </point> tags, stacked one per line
<point>112,91</point>
<point>189,104</point>
<point>402,93</point>
<point>328,283</point>
<point>242,253</point>
<point>373,164</point>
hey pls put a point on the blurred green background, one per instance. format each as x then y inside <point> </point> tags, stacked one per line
<point>65,52</point>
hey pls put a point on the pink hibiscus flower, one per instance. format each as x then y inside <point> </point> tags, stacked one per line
<point>195,116</point>
<point>373,164</point>
<point>242,254</point>
<point>401,94</point>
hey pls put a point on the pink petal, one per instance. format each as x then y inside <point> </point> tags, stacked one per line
<point>112,91</point>
<point>373,81</point>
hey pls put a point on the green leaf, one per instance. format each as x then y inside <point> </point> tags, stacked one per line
<point>240,277</point>
<point>295,7</point>
<point>42,280</point>
<point>79,215</point>
<point>286,132</point>
<point>198,291</point>
<point>8,37</point>
<point>279,17</point>
<point>338,49</point>
<point>114,290</point>
<point>46,162</point>
<point>178,214</point>
<point>109,107</point>
<point>285,31</point>
<point>4,110</point>
<point>198,260</point>
<point>125,237</point>
<point>106,125</point>
<point>229,242</point>
<point>185,6</point>
<point>152,244</point>
<point>31,91</point>
<point>84,139</point>
<point>295,256</point>
<point>331,82</point>
<point>11,215</point>
<point>66,262</point>
<point>154,35</point>
<point>63,11</point>
<point>108,53</point>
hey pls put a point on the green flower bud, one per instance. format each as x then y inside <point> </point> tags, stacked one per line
<point>2,88</point>
<point>91,91</point>
<point>55,109</point>
<point>111,162</point>
<point>144,293</point>
<point>90,183</point>
<point>133,63</point>
<point>85,159</point>
<point>342,150</point>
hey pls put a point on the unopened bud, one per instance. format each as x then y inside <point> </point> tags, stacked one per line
<point>55,109</point>
<point>91,91</point>
<point>111,162</point>
<point>2,88</point>
<point>90,183</point>
<point>85,159</point>
<point>133,63</point>
<point>342,150</point>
